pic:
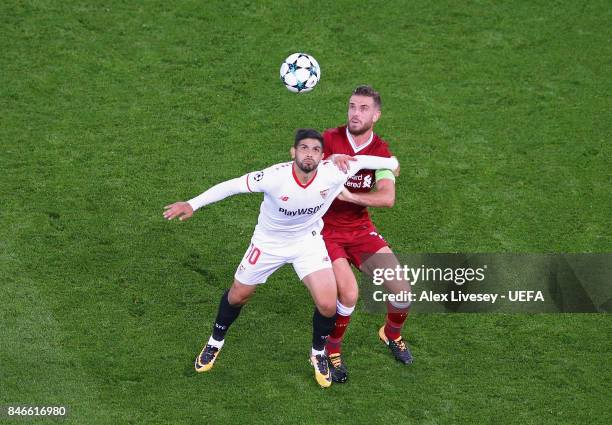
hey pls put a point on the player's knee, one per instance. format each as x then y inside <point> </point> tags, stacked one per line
<point>327,308</point>
<point>239,294</point>
<point>348,296</point>
<point>398,286</point>
<point>238,299</point>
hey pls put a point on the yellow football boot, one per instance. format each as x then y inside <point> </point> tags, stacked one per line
<point>206,359</point>
<point>321,370</point>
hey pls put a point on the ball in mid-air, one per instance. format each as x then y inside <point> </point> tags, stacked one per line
<point>300,72</point>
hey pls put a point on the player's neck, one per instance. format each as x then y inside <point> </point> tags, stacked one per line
<point>361,139</point>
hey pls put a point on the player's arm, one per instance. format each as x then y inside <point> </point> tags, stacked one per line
<point>342,161</point>
<point>373,163</point>
<point>384,196</point>
<point>183,210</point>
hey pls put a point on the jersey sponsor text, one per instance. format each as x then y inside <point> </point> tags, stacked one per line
<point>301,211</point>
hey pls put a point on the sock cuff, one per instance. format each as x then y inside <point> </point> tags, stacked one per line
<point>400,306</point>
<point>344,310</point>
<point>212,341</point>
<point>315,352</point>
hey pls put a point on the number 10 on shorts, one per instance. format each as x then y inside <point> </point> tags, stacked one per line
<point>253,254</point>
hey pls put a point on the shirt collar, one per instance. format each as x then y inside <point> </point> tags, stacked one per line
<point>352,141</point>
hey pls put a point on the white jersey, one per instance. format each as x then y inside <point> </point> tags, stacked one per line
<point>290,209</point>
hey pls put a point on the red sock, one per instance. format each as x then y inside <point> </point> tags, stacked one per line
<point>394,321</point>
<point>334,340</point>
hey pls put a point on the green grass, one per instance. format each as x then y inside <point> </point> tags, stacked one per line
<point>500,114</point>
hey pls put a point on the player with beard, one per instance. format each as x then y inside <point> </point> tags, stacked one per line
<point>350,235</point>
<point>296,195</point>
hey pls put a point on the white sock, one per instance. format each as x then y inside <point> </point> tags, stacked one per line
<point>215,343</point>
<point>314,352</point>
<point>344,310</point>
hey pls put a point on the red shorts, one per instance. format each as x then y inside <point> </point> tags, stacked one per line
<point>354,245</point>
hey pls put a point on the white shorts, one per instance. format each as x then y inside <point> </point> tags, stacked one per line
<point>307,255</point>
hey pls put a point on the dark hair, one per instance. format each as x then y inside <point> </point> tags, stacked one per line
<point>369,92</point>
<point>307,133</point>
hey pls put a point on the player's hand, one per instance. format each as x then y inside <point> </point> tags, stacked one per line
<point>396,172</point>
<point>342,161</point>
<point>182,210</point>
<point>346,195</point>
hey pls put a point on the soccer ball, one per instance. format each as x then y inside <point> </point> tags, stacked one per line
<point>300,72</point>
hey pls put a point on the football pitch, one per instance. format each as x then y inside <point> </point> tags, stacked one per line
<point>500,114</point>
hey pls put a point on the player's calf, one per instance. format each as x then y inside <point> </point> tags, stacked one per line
<point>337,366</point>
<point>321,326</point>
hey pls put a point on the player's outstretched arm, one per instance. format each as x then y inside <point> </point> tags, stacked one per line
<point>342,161</point>
<point>184,210</point>
<point>374,163</point>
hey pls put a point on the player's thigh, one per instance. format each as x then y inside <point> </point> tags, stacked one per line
<point>348,291</point>
<point>257,265</point>
<point>363,245</point>
<point>334,242</point>
<point>322,287</point>
<point>314,268</point>
<point>310,255</point>
<point>384,258</point>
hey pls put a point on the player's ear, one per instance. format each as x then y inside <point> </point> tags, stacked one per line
<point>292,152</point>
<point>376,115</point>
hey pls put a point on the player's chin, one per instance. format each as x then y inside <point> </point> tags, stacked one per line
<point>307,167</point>
<point>357,129</point>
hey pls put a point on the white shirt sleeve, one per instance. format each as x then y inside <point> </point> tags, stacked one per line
<point>367,162</point>
<point>256,181</point>
<point>220,191</point>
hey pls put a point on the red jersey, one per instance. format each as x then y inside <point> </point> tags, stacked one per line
<point>346,215</point>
